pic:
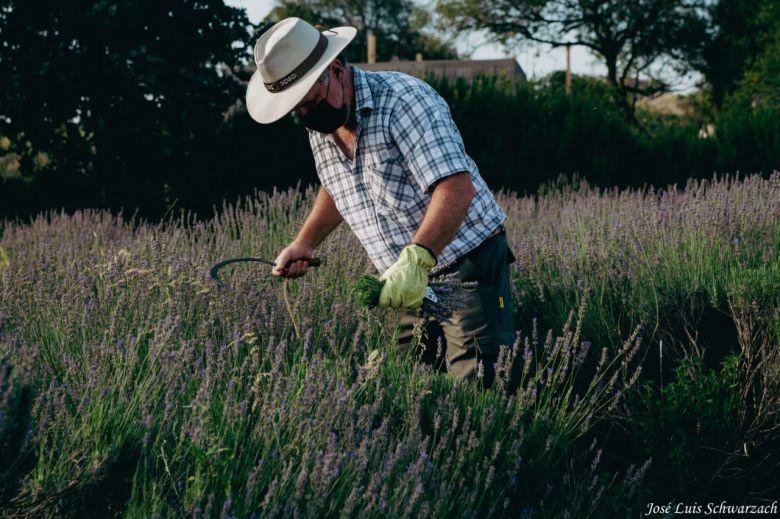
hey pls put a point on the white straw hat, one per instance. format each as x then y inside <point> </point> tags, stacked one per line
<point>290,56</point>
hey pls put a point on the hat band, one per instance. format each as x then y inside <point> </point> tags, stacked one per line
<point>300,70</point>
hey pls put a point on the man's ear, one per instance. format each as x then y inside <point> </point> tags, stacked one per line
<point>337,66</point>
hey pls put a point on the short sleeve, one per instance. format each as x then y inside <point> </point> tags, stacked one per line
<point>423,130</point>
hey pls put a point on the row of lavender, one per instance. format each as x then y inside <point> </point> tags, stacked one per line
<point>130,384</point>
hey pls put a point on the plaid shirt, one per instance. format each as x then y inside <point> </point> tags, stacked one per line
<point>406,142</point>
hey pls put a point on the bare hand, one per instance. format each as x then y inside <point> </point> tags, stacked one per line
<point>291,262</point>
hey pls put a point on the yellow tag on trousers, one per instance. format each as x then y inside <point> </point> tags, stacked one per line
<point>501,302</point>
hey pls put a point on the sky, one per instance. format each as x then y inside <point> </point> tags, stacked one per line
<point>536,61</point>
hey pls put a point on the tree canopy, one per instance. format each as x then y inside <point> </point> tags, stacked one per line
<point>120,89</point>
<point>401,28</point>
<point>637,41</point>
<point>739,54</point>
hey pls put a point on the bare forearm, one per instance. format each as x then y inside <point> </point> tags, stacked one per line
<point>323,218</point>
<point>450,201</point>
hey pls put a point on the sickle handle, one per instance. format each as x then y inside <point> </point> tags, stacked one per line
<point>214,272</point>
<point>313,262</point>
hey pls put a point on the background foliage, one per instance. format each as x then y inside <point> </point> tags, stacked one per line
<point>124,97</point>
<point>520,135</point>
<point>132,105</point>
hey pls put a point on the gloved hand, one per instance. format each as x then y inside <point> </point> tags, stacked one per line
<point>407,279</point>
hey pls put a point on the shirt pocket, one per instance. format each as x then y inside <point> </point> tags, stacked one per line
<point>390,186</point>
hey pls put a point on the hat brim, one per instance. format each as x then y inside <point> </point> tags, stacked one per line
<point>266,107</point>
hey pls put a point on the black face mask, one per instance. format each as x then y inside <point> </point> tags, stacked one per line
<point>323,117</point>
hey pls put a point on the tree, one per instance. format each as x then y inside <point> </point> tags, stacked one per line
<point>401,28</point>
<point>739,43</point>
<point>637,40</point>
<point>123,93</point>
<point>760,85</point>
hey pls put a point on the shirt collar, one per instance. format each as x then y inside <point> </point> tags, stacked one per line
<point>364,101</point>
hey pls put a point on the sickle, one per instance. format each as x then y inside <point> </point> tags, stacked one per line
<point>214,272</point>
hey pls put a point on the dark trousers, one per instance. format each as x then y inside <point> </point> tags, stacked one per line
<point>474,333</point>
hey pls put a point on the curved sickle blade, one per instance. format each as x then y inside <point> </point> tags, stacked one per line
<point>214,272</point>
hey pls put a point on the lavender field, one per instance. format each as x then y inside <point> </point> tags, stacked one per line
<point>646,367</point>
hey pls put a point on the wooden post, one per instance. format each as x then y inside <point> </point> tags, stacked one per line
<point>568,70</point>
<point>371,47</point>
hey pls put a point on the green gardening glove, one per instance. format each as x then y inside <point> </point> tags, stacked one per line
<point>407,279</point>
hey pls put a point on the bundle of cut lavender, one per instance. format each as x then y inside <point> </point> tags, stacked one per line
<point>445,294</point>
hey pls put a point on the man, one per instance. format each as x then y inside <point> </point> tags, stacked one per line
<point>393,166</point>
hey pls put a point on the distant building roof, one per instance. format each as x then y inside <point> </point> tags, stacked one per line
<point>451,68</point>
<point>667,103</point>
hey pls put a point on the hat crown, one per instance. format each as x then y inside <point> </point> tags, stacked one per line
<point>283,47</point>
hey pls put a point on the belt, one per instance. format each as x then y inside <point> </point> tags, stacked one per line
<point>498,230</point>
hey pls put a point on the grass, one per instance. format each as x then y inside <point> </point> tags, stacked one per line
<point>133,386</point>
